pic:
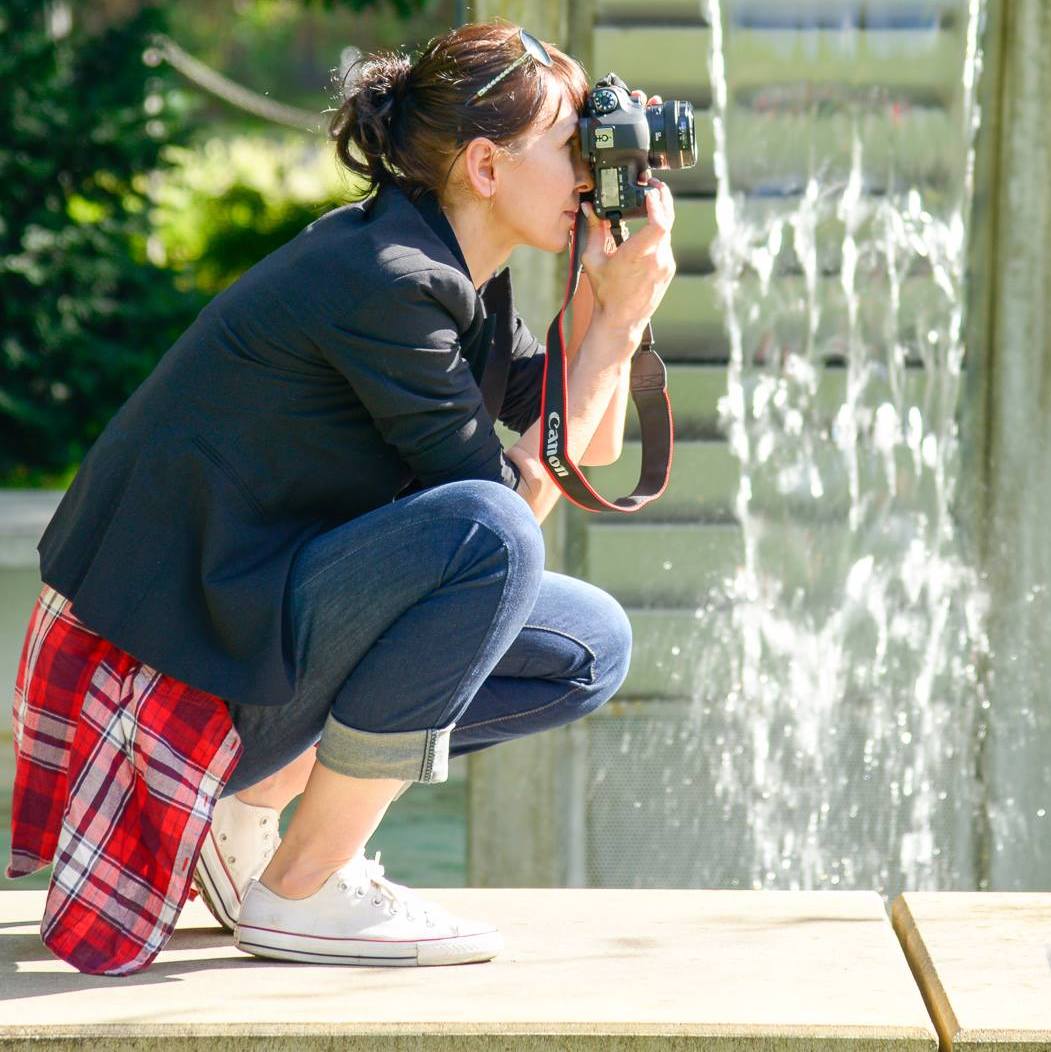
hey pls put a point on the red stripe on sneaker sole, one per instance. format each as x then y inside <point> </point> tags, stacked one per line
<point>362,938</point>
<point>313,953</point>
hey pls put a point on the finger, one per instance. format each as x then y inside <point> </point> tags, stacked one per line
<point>668,204</point>
<point>657,207</point>
<point>667,198</point>
<point>655,100</point>
<point>600,221</point>
<point>598,232</point>
<point>665,192</point>
<point>656,191</point>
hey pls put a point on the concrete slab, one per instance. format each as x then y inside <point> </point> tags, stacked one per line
<point>583,968</point>
<point>983,963</point>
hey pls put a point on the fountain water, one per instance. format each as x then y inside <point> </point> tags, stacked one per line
<point>854,625</point>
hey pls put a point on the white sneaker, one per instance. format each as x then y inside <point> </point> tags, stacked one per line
<point>360,917</point>
<point>236,850</point>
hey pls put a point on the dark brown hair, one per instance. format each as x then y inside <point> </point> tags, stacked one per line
<point>407,121</point>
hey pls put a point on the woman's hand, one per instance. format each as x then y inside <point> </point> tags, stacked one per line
<point>628,282</point>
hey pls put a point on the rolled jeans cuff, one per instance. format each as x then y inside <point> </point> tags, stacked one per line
<point>415,756</point>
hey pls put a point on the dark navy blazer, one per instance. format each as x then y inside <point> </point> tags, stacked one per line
<point>353,365</point>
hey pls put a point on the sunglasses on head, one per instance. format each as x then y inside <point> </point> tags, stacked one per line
<point>532,48</point>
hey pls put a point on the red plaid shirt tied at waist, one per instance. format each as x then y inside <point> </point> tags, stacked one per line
<point>117,771</point>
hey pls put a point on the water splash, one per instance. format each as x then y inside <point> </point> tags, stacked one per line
<point>853,627</point>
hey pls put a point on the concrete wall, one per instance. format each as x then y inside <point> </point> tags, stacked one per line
<point>523,785</point>
<point>1007,436</point>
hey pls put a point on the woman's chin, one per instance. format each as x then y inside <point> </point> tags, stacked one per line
<point>558,241</point>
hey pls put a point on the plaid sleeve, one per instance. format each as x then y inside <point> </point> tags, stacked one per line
<point>58,658</point>
<point>149,760</point>
<point>117,772</point>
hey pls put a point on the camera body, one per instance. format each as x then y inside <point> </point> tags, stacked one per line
<point>621,137</point>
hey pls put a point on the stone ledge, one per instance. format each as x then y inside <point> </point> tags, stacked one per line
<point>983,963</point>
<point>582,969</point>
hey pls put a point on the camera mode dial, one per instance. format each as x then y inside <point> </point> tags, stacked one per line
<point>604,101</point>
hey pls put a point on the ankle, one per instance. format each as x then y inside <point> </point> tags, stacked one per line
<point>298,880</point>
<point>294,885</point>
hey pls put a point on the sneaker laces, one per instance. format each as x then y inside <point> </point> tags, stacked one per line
<point>397,895</point>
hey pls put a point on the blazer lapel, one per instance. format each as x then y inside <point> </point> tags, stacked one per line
<point>497,336</point>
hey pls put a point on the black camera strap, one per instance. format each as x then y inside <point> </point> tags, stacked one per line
<point>649,391</point>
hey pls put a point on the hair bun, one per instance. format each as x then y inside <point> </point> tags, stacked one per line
<point>383,85</point>
<point>370,109</point>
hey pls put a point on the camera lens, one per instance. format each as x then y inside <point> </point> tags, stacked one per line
<point>673,142</point>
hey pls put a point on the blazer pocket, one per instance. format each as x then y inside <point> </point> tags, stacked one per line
<point>224,466</point>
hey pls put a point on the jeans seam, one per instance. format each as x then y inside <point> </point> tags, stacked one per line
<point>580,643</point>
<point>427,765</point>
<point>519,715</point>
<point>501,606</point>
<point>427,737</point>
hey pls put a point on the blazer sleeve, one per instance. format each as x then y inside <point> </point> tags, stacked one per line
<point>521,404</point>
<point>400,352</point>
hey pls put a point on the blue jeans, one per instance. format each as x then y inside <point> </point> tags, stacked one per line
<point>429,628</point>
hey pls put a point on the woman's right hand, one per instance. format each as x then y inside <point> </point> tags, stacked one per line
<point>629,281</point>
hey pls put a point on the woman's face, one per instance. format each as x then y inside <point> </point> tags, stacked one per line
<point>538,190</point>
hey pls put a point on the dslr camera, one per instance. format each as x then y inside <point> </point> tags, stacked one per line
<point>621,137</point>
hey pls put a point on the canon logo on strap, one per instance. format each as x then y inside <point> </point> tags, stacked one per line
<point>554,422</point>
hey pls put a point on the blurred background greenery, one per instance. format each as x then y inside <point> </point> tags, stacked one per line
<point>131,194</point>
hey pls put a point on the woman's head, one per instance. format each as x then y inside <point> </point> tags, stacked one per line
<point>511,152</point>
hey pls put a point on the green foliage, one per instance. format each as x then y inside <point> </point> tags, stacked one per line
<point>85,312</point>
<point>288,50</point>
<point>245,226</point>
<point>114,232</point>
<point>227,203</point>
<point>403,8</point>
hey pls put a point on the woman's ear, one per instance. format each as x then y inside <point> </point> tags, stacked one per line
<point>480,167</point>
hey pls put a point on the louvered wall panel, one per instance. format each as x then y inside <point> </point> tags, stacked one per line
<point>665,562</point>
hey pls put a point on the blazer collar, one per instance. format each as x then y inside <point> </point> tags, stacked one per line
<point>495,292</point>
<point>431,210</point>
